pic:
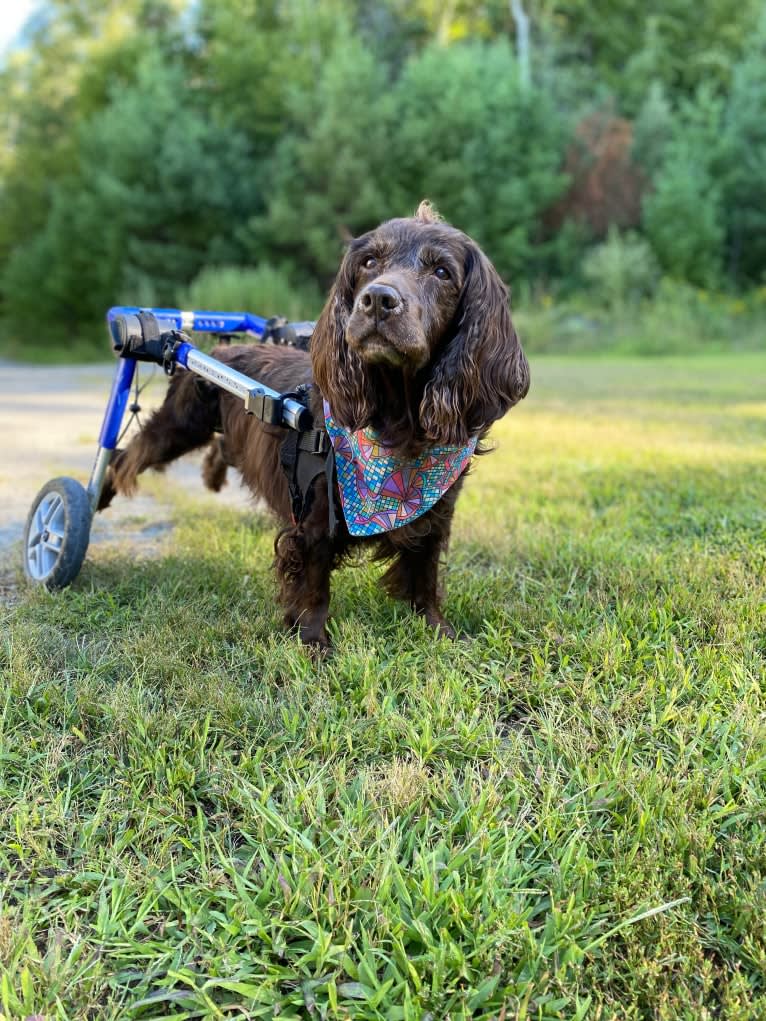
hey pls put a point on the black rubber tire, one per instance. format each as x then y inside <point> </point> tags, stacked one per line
<point>67,504</point>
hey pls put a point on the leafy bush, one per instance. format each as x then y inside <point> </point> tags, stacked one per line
<point>677,319</point>
<point>683,218</point>
<point>264,290</point>
<point>683,318</point>
<point>621,270</point>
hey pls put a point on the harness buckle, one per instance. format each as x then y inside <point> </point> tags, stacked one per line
<point>267,409</point>
<point>315,441</point>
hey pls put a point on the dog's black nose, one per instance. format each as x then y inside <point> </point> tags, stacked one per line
<point>380,301</point>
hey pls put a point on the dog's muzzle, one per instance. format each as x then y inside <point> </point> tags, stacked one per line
<point>382,328</point>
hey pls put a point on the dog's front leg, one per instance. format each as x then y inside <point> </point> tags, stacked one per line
<point>414,577</point>
<point>306,593</point>
<point>304,560</point>
<point>418,549</point>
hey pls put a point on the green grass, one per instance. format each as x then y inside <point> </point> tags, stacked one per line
<point>562,817</point>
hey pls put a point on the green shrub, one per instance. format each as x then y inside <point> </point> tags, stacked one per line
<point>677,319</point>
<point>621,270</point>
<point>682,319</point>
<point>684,222</point>
<point>263,290</point>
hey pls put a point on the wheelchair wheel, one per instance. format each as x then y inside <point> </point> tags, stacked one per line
<point>57,533</point>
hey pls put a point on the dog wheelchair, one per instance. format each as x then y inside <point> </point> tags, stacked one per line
<point>58,526</point>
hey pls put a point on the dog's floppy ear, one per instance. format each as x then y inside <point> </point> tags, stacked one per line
<point>481,371</point>
<point>339,371</point>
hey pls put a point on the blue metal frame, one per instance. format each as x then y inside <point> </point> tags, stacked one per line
<point>118,401</point>
<point>194,321</point>
<point>170,318</point>
<point>197,321</point>
<point>189,322</point>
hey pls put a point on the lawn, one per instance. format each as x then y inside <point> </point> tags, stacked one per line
<point>563,816</point>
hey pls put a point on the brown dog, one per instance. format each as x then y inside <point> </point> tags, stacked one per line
<point>416,346</point>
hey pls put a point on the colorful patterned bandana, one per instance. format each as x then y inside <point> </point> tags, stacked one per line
<point>378,490</point>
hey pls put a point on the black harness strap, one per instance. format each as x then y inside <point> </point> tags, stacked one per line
<point>329,470</point>
<point>304,457</point>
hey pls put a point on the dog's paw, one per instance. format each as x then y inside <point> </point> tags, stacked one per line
<point>313,635</point>
<point>214,467</point>
<point>108,489</point>
<point>317,641</point>
<point>107,494</point>
<point>440,624</point>
<point>123,472</point>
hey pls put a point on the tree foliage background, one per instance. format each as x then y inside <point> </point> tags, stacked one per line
<point>144,142</point>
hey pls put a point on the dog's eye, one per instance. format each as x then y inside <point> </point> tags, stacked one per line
<point>442,273</point>
<point>370,262</point>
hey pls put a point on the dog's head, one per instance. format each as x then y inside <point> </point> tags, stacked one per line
<point>418,313</point>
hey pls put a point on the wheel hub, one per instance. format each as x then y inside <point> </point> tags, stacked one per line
<point>46,536</point>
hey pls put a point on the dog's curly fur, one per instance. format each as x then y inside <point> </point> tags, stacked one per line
<point>415,340</point>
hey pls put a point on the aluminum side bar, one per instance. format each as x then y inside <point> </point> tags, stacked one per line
<point>237,383</point>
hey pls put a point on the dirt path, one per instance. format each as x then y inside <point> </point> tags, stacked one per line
<point>49,420</point>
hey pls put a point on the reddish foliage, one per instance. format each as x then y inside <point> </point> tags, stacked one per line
<point>606,185</point>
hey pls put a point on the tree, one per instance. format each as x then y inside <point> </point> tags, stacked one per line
<point>680,43</point>
<point>487,152</point>
<point>78,51</point>
<point>606,184</point>
<point>147,202</point>
<point>327,179</point>
<point>742,166</point>
<point>684,213</point>
<point>653,129</point>
<point>521,21</point>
